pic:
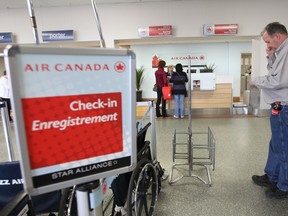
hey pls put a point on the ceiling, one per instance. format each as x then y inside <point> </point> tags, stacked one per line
<point>14,4</point>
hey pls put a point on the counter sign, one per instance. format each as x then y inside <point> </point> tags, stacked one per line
<point>75,114</point>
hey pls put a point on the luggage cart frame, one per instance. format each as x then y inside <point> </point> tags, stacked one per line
<point>4,113</point>
<point>195,153</point>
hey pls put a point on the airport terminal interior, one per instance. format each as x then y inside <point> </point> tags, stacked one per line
<point>241,151</point>
<point>225,109</point>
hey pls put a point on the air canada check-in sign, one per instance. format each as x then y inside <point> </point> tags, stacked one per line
<point>75,113</point>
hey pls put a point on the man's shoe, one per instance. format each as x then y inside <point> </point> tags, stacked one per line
<point>277,193</point>
<point>175,116</point>
<point>263,181</point>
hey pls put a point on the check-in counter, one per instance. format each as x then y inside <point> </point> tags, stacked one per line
<point>221,97</point>
<point>213,93</point>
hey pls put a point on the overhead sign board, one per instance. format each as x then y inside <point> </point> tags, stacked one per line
<point>6,37</point>
<point>59,35</point>
<point>155,31</point>
<point>75,113</point>
<point>220,29</point>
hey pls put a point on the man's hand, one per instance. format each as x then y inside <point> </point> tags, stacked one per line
<point>270,51</point>
<point>251,84</point>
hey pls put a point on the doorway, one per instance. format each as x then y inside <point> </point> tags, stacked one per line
<point>246,68</point>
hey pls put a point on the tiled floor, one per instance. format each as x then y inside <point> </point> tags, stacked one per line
<point>241,151</point>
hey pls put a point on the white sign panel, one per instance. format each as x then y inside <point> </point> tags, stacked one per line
<point>75,113</point>
<point>203,81</point>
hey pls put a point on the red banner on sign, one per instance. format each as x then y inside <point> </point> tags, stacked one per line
<point>71,128</point>
<point>160,31</point>
<point>155,31</point>
<point>226,29</point>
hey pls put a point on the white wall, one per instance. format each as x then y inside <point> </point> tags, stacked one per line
<point>259,66</point>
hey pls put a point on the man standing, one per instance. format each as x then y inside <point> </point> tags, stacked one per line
<point>275,91</point>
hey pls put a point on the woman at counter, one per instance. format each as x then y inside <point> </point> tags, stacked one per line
<point>161,80</point>
<point>179,78</point>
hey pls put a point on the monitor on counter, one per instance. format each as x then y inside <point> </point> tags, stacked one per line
<point>195,68</point>
<point>192,71</point>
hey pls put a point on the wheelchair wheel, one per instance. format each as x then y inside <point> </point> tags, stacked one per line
<point>143,189</point>
<point>68,205</point>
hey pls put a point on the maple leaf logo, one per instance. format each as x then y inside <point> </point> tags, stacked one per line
<point>209,29</point>
<point>119,67</point>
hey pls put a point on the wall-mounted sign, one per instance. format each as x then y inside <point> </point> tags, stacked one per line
<point>58,35</point>
<point>6,37</point>
<point>74,114</point>
<point>155,31</point>
<point>183,58</point>
<point>220,29</point>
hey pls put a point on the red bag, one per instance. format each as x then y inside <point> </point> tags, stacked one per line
<point>167,92</point>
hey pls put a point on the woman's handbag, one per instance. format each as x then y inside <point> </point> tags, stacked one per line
<point>167,92</point>
<point>155,88</point>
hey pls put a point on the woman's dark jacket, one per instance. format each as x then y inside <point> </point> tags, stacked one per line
<point>179,79</point>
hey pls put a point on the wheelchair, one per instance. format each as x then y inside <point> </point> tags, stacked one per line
<point>145,182</point>
<point>139,194</point>
<point>140,198</point>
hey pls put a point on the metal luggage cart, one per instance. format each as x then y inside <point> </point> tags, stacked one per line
<point>198,150</point>
<point>52,197</point>
<point>194,148</point>
<point>146,178</point>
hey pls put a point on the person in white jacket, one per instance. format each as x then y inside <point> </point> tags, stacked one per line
<point>5,93</point>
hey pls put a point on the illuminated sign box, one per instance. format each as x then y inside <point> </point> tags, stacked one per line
<point>74,113</point>
<point>220,29</point>
<point>155,31</point>
<point>6,37</point>
<point>59,35</point>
